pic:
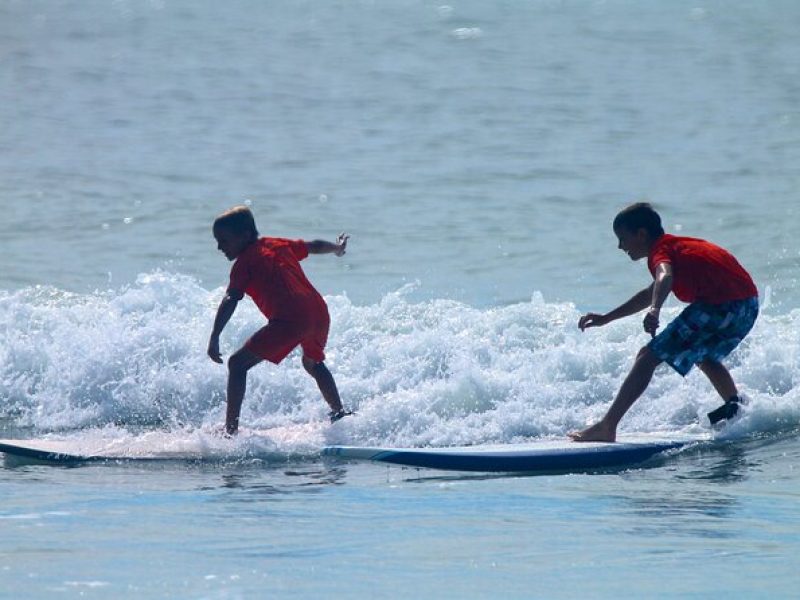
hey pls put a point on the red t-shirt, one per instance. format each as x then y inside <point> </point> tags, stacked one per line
<point>269,272</point>
<point>701,271</point>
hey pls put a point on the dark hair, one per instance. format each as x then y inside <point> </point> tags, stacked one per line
<point>639,216</point>
<point>238,219</point>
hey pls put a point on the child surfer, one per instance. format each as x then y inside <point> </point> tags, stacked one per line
<point>268,270</point>
<point>723,308</point>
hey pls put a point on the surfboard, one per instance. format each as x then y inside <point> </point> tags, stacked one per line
<point>554,455</point>
<point>72,452</point>
<point>44,451</point>
<point>184,446</point>
<point>536,457</point>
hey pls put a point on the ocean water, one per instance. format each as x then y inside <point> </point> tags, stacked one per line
<point>476,152</point>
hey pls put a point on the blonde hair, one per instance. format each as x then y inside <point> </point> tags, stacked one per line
<point>238,219</point>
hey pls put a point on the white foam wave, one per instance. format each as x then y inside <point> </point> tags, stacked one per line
<point>427,373</point>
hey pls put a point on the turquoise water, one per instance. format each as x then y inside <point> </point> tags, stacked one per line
<point>476,153</point>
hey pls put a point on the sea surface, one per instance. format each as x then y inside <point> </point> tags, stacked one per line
<point>476,152</point>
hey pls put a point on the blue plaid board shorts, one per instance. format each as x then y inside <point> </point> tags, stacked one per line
<point>704,332</point>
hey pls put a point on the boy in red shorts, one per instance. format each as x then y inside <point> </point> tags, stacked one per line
<point>723,308</point>
<point>268,270</point>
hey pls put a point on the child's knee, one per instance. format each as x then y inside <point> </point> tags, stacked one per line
<point>647,357</point>
<point>313,367</point>
<point>309,365</point>
<point>238,365</point>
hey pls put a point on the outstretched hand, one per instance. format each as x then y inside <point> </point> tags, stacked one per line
<point>341,243</point>
<point>591,320</point>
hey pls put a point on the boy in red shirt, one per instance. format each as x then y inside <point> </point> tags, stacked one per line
<point>268,270</point>
<point>723,308</point>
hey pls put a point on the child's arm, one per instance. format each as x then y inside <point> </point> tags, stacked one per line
<point>661,287</point>
<point>322,247</point>
<point>224,314</point>
<point>638,302</point>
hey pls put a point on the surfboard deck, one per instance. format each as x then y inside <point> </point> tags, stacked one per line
<point>560,455</point>
<point>44,452</point>
<point>163,446</point>
<point>71,452</point>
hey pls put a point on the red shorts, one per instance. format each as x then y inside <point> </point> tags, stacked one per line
<point>277,339</point>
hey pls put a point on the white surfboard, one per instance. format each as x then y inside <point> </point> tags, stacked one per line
<point>48,451</point>
<point>559,455</point>
<point>266,444</point>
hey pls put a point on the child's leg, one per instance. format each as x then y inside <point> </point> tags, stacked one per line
<point>273,342</point>
<point>325,382</point>
<point>720,378</point>
<point>238,366</point>
<point>723,382</point>
<point>635,383</point>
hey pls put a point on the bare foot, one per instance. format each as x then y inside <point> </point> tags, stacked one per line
<point>599,432</point>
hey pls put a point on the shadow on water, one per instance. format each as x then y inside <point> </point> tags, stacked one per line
<point>727,463</point>
<point>257,482</point>
<point>682,513</point>
<point>733,461</point>
<point>422,475</point>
